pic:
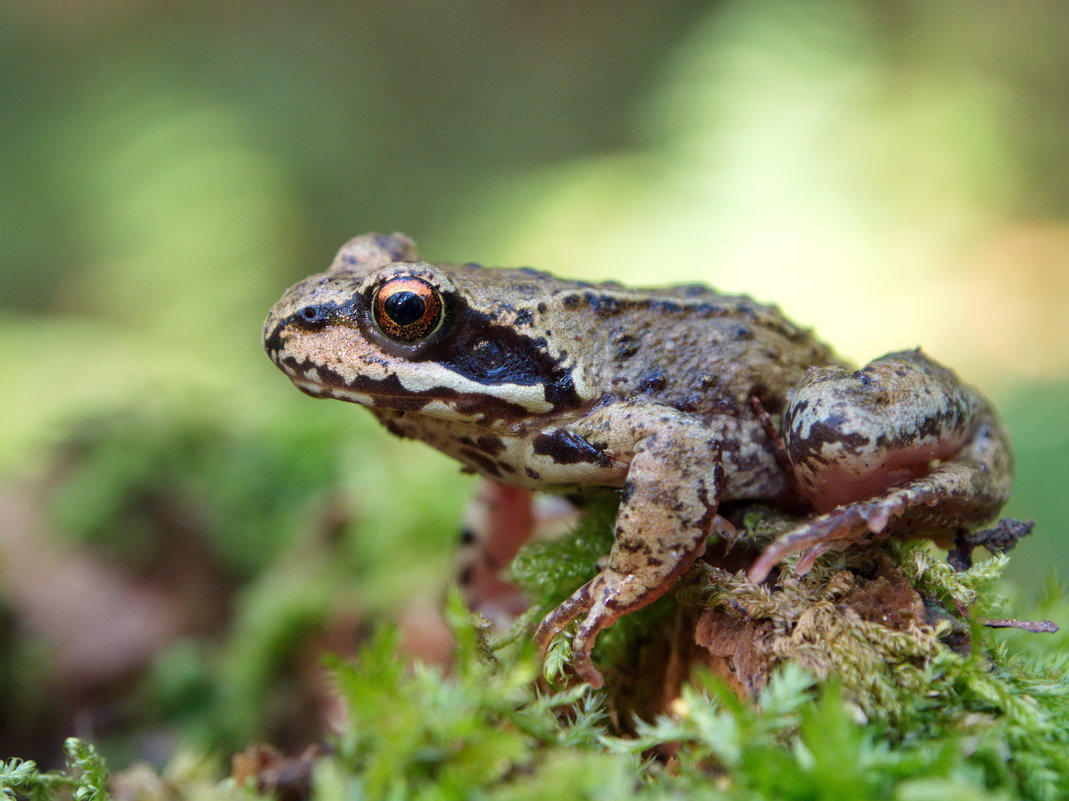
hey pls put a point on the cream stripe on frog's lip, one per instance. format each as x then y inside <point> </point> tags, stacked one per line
<point>324,391</point>
<point>436,407</point>
<point>432,387</point>
<point>481,400</point>
<point>373,376</point>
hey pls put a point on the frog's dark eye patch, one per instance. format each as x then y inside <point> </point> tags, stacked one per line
<point>407,309</point>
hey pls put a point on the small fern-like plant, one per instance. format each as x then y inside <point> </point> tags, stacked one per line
<point>87,779</point>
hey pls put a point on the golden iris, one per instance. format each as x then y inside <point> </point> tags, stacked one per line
<point>407,309</point>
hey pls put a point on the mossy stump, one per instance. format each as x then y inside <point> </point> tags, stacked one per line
<point>871,617</point>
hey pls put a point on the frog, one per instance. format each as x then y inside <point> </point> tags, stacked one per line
<point>678,399</point>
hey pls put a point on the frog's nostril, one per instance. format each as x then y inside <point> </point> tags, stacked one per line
<point>312,315</point>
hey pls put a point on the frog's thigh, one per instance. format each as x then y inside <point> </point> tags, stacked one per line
<point>850,434</point>
<point>866,455</point>
<point>667,507</point>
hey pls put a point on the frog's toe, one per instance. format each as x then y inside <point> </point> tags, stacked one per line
<point>833,531</point>
<point>583,641</point>
<point>600,602</point>
<point>582,664</point>
<point>599,615</point>
<point>557,620</point>
<point>809,556</point>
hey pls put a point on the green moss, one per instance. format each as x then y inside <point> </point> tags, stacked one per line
<point>852,708</point>
<point>964,727</point>
<point>550,570</point>
<point>984,727</point>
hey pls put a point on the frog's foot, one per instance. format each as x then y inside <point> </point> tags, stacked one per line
<point>555,622</point>
<point>1002,537</point>
<point>835,530</point>
<point>601,601</point>
<point>935,504</point>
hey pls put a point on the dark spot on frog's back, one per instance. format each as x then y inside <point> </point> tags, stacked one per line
<point>665,306</point>
<point>747,311</point>
<point>691,402</point>
<point>531,271</point>
<point>741,333</point>
<point>653,380</point>
<point>624,346</point>
<point>564,447</point>
<point>602,303</point>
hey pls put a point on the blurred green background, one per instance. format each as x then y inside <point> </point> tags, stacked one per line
<point>892,174</point>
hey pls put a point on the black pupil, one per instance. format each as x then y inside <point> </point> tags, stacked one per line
<point>404,308</point>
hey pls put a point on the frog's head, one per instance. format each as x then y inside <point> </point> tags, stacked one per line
<point>387,330</point>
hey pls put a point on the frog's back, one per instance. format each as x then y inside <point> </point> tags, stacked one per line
<point>685,346</point>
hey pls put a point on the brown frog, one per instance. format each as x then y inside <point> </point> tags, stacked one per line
<point>680,398</point>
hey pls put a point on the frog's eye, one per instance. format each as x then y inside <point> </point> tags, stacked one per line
<point>407,309</point>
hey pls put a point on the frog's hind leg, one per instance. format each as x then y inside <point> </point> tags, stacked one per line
<point>933,505</point>
<point>900,447</point>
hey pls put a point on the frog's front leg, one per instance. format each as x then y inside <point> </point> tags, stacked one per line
<point>673,483</point>
<point>499,520</point>
<point>901,446</point>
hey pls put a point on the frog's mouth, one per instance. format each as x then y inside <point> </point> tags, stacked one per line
<point>454,401</point>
